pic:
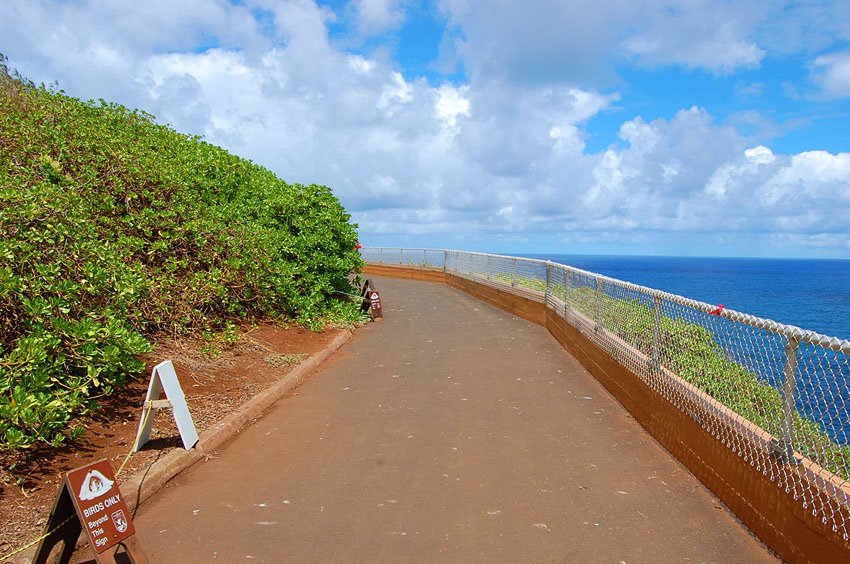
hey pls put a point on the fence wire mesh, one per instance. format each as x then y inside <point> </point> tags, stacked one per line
<point>424,258</point>
<point>776,395</point>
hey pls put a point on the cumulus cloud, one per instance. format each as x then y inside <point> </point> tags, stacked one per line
<point>452,103</point>
<point>93,48</point>
<point>555,41</point>
<point>715,36</point>
<point>789,26</point>
<point>537,41</point>
<point>648,182</point>
<point>832,74</point>
<point>804,194</point>
<point>499,155</point>
<point>374,17</point>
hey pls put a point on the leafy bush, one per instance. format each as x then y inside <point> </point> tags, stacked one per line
<point>113,228</point>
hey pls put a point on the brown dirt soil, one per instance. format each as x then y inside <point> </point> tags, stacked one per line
<point>215,382</point>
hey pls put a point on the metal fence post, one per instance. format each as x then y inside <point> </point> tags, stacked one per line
<point>548,281</point>
<point>785,446</point>
<point>567,281</point>
<point>445,261</point>
<point>513,279</point>
<point>489,266</point>
<point>598,304</point>
<point>381,256</point>
<point>656,335</point>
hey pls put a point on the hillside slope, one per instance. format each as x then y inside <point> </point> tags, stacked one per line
<point>114,228</point>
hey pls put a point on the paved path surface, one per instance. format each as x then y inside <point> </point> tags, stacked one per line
<point>449,432</point>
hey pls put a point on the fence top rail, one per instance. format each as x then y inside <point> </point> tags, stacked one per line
<point>792,332</point>
<point>403,249</point>
<point>506,257</point>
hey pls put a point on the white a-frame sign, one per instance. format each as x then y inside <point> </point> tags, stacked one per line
<point>164,379</point>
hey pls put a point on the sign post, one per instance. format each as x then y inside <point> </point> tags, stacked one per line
<point>375,301</point>
<point>371,301</point>
<point>91,500</point>
<point>164,380</point>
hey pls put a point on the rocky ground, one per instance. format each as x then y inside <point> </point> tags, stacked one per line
<point>216,378</point>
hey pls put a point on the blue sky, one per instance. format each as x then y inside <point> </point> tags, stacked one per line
<point>658,127</point>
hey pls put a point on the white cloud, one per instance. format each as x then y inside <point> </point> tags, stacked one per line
<point>584,104</point>
<point>707,35</point>
<point>760,155</point>
<point>502,156</point>
<point>361,64</point>
<point>96,49</point>
<point>609,190</point>
<point>537,41</point>
<point>818,241</point>
<point>374,17</point>
<point>753,89</point>
<point>789,26</point>
<point>832,74</point>
<point>640,134</point>
<point>816,175</point>
<point>648,183</point>
<point>568,139</point>
<point>718,184</point>
<point>582,40</point>
<point>399,92</point>
<point>760,191</point>
<point>452,103</point>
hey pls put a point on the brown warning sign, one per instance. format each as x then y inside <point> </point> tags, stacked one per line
<point>371,301</point>
<point>99,504</point>
<point>91,501</point>
<point>375,302</point>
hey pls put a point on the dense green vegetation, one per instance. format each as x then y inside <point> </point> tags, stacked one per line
<point>691,352</point>
<point>114,228</point>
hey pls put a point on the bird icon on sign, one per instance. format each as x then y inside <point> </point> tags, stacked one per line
<point>94,485</point>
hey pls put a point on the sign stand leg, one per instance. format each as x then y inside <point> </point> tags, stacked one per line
<point>371,301</point>
<point>90,500</point>
<point>64,527</point>
<point>164,380</point>
<point>132,548</point>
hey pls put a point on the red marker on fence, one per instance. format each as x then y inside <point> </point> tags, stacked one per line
<point>716,311</point>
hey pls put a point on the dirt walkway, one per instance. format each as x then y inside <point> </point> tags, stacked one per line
<point>450,432</point>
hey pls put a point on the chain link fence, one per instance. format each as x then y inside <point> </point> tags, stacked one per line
<point>776,395</point>
<point>423,258</point>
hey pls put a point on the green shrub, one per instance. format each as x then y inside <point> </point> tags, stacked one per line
<point>114,228</point>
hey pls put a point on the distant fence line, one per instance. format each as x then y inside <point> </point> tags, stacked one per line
<point>766,390</point>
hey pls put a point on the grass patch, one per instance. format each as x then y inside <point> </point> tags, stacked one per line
<point>284,360</point>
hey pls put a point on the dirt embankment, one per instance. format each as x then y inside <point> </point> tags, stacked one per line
<point>216,382</point>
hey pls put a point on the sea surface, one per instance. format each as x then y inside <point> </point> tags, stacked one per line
<point>809,293</point>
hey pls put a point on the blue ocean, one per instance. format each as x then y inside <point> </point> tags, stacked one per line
<point>812,294</point>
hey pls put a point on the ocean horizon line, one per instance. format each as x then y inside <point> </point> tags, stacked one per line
<point>657,256</point>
